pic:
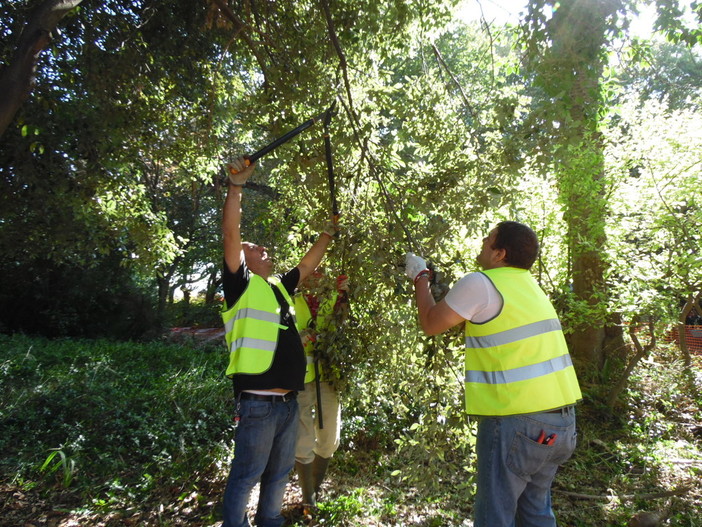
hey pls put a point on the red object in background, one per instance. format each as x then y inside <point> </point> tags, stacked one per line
<point>693,337</point>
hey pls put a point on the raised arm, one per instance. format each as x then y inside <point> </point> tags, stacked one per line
<point>315,254</point>
<point>231,216</point>
<point>433,318</point>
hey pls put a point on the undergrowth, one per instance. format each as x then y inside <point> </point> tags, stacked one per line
<point>103,433</point>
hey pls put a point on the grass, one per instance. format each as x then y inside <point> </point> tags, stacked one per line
<point>101,433</point>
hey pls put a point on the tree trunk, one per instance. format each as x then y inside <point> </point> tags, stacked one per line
<point>586,237</point>
<point>17,78</point>
<point>213,282</point>
<point>574,68</point>
<point>164,286</point>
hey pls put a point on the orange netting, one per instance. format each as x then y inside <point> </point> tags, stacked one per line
<point>693,337</point>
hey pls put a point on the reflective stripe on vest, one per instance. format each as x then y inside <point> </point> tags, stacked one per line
<point>518,362</point>
<point>256,314</point>
<point>513,335</point>
<point>520,374</point>
<point>252,326</point>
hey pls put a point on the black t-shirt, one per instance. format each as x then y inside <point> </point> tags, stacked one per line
<point>289,363</point>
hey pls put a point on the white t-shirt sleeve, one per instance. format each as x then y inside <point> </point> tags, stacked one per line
<point>475,298</point>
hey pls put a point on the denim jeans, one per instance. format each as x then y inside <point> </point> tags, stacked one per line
<point>515,472</point>
<point>264,451</point>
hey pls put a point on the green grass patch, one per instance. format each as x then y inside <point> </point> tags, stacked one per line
<point>112,421</point>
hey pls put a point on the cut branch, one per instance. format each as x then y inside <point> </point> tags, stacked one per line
<point>648,496</point>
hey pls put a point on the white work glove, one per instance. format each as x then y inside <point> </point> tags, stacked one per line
<point>331,229</point>
<point>414,265</point>
<point>238,171</point>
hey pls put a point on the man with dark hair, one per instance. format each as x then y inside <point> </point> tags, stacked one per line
<point>519,242</point>
<point>519,378</point>
<point>266,362</point>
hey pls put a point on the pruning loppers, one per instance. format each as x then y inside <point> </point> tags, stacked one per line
<point>248,159</point>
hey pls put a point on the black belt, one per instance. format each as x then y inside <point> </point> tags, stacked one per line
<point>565,409</point>
<point>282,398</point>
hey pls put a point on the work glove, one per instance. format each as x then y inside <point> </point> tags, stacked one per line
<point>342,283</point>
<point>414,265</point>
<point>308,336</point>
<point>331,228</point>
<point>239,170</point>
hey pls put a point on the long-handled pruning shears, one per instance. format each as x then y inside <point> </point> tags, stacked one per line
<point>248,159</point>
<point>330,166</point>
<point>335,218</point>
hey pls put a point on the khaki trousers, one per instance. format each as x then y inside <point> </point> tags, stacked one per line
<point>311,439</point>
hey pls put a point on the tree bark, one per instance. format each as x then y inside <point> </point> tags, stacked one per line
<point>18,77</point>
<point>574,68</point>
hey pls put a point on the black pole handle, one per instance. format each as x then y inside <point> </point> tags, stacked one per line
<point>249,159</point>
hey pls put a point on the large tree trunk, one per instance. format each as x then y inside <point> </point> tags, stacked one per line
<point>571,72</point>
<point>582,193</point>
<point>17,78</point>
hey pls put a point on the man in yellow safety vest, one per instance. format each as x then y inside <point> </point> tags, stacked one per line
<point>320,311</point>
<point>519,377</point>
<point>266,362</point>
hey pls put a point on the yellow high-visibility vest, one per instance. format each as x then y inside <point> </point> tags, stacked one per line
<point>251,326</point>
<point>324,319</point>
<point>518,362</point>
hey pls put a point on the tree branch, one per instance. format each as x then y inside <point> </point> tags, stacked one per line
<point>18,78</point>
<point>331,28</point>
<point>641,352</point>
<point>636,497</point>
<point>466,102</point>
<point>239,26</point>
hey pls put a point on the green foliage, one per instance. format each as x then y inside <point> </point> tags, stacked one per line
<point>144,430</point>
<point>640,454</point>
<point>343,509</point>
<point>66,465</point>
<point>671,22</point>
<point>654,227</point>
<point>43,296</point>
<point>108,204</point>
<point>194,313</point>
<point>439,135</point>
<point>116,419</point>
<point>663,71</point>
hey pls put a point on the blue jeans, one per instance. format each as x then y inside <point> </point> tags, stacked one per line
<point>264,451</point>
<point>515,472</point>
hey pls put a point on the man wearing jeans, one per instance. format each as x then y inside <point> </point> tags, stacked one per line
<point>519,378</point>
<point>266,362</point>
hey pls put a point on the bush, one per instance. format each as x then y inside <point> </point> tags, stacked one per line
<point>88,413</point>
